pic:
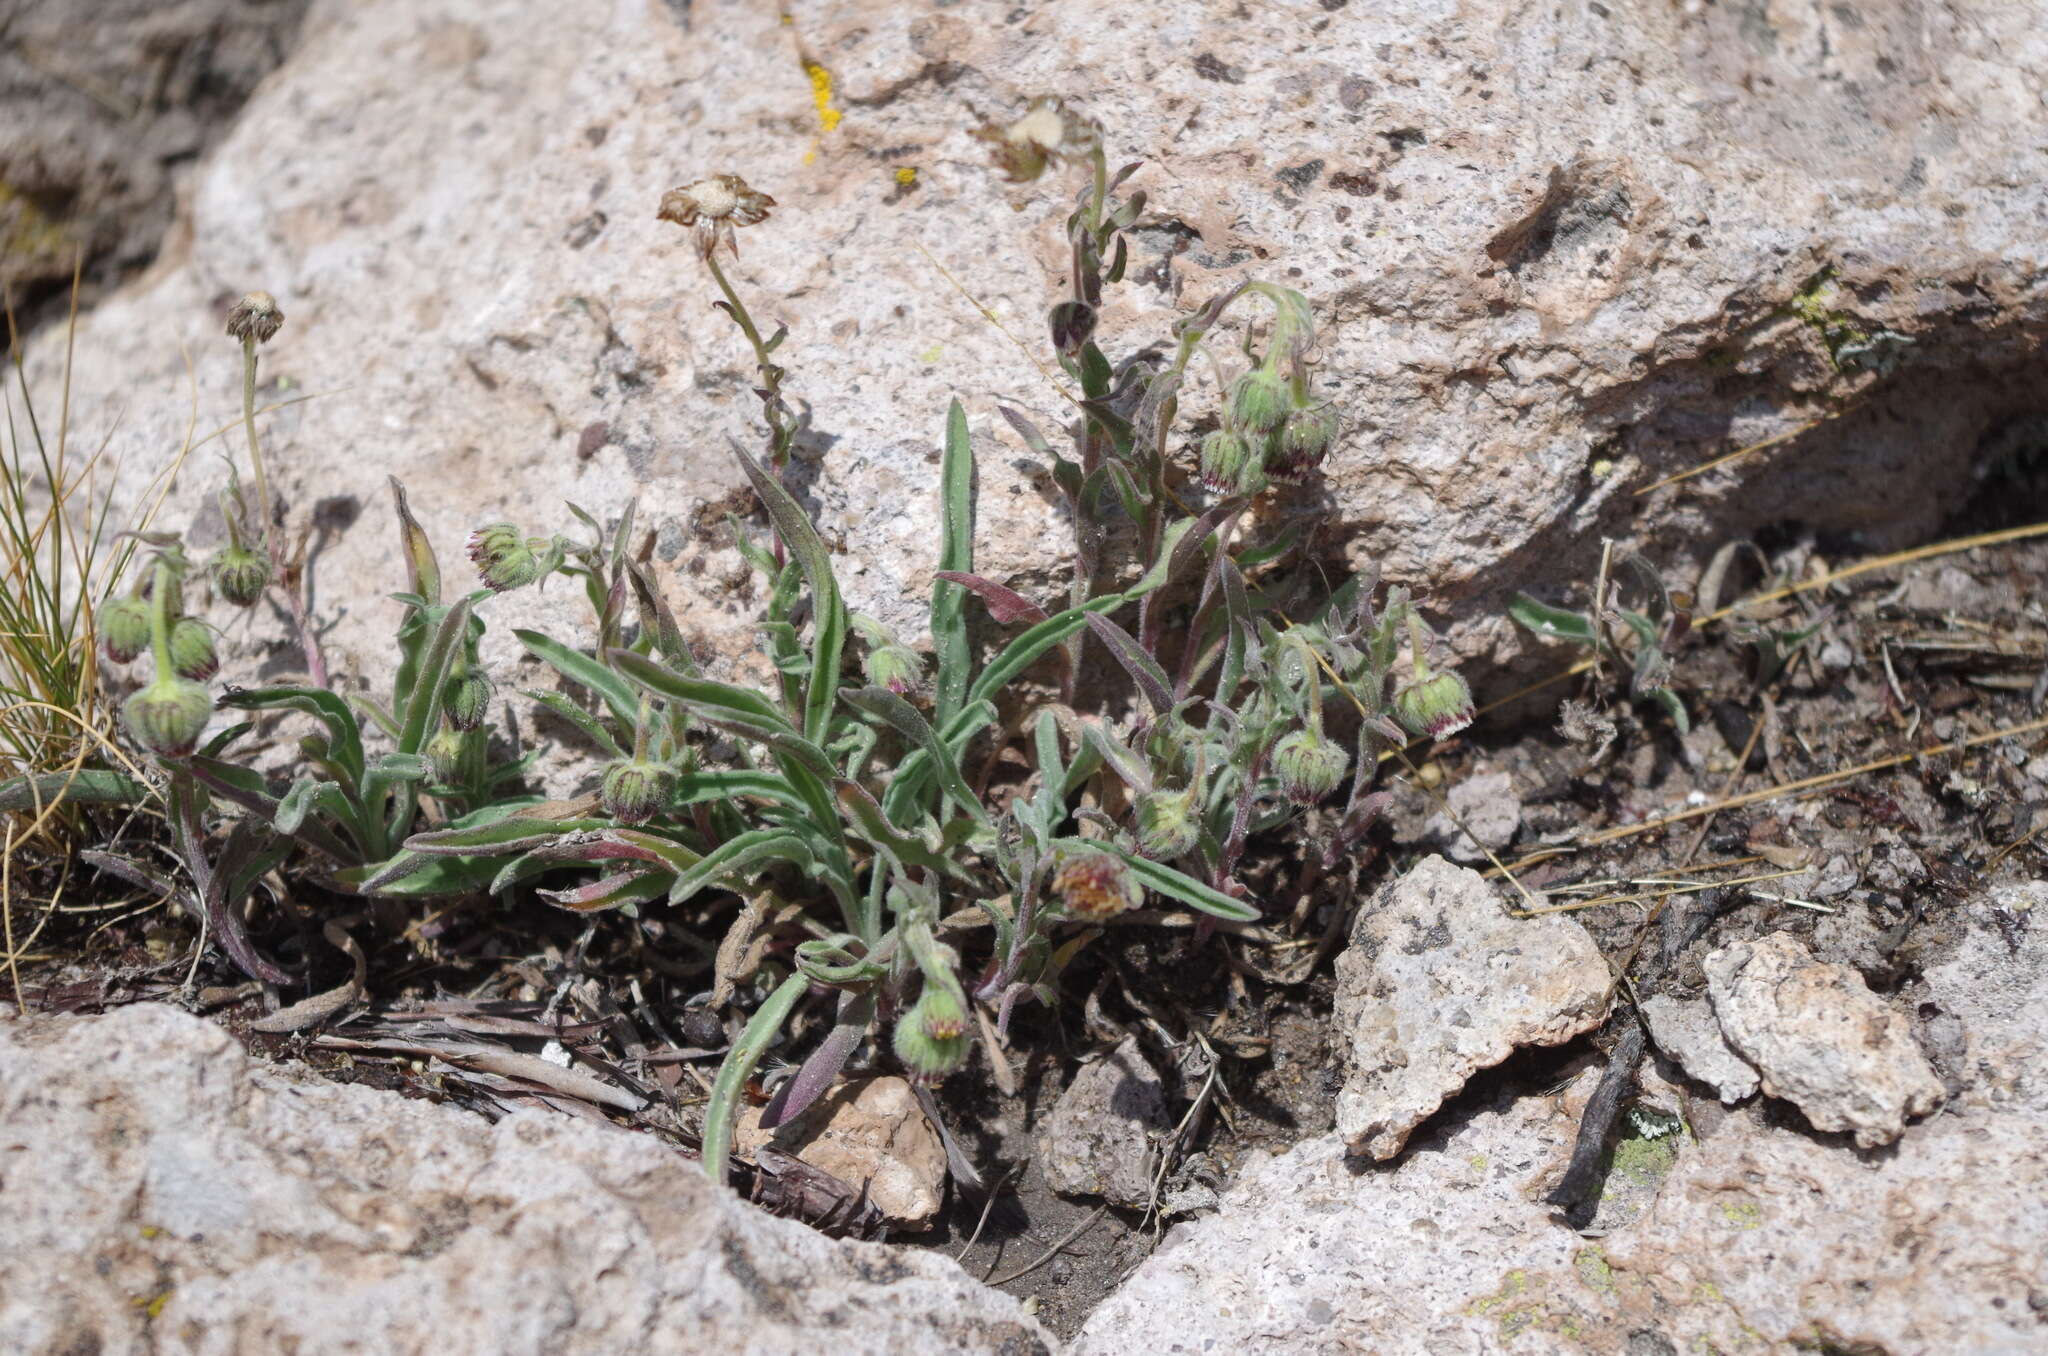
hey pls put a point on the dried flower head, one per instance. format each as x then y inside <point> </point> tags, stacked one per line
<point>713,207</point>
<point>1094,884</point>
<point>255,318</point>
<point>1049,133</point>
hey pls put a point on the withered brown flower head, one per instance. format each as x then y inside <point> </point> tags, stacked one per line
<point>255,317</point>
<point>1095,885</point>
<point>1049,133</point>
<point>713,207</point>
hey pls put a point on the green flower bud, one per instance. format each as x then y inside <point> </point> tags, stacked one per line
<point>1259,402</point>
<point>1308,766</point>
<point>467,700</point>
<point>635,792</point>
<point>1096,885</point>
<point>1303,443</point>
<point>896,667</point>
<point>1166,824</point>
<point>315,748</point>
<point>168,716</point>
<point>931,1039</point>
<point>1434,704</point>
<point>124,628</point>
<point>1226,461</point>
<point>505,558</point>
<point>444,757</point>
<point>241,575</point>
<point>192,651</point>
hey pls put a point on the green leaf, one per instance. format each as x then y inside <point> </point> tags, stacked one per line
<point>86,786</point>
<point>907,848</point>
<point>1668,699</point>
<point>885,705</point>
<point>591,728</point>
<point>412,875</point>
<point>956,553</point>
<point>734,856</point>
<point>581,669</point>
<point>723,1108</point>
<point>344,736</point>
<point>828,614</point>
<point>733,705</point>
<point>422,570</point>
<point>1552,621</point>
<point>1182,887</point>
<point>423,703</point>
<point>611,892</point>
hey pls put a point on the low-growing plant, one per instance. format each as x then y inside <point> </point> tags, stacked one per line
<point>860,816</point>
<point>1637,642</point>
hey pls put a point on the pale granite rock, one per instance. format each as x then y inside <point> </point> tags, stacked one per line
<point>159,1190</point>
<point>1687,1032</point>
<point>1820,1039</point>
<point>870,1134</point>
<point>1100,1139</point>
<point>1439,982</point>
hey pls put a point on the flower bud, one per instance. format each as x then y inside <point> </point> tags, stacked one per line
<point>1308,766</point>
<point>241,575</point>
<point>1259,402</point>
<point>168,716</point>
<point>1166,824</point>
<point>1227,462</point>
<point>192,651</point>
<point>467,700</point>
<point>504,557</point>
<point>1434,704</point>
<point>315,748</point>
<point>896,667</point>
<point>1303,443</point>
<point>635,792</point>
<point>444,757</point>
<point>124,628</point>
<point>1073,322</point>
<point>1093,884</point>
<point>931,1039</point>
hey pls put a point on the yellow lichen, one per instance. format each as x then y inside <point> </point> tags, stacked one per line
<point>906,175</point>
<point>821,95</point>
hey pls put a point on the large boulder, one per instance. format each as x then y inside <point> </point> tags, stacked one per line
<point>1556,252</point>
<point>159,1189</point>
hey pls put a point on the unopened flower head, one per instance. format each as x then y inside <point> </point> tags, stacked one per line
<point>241,575</point>
<point>1049,133</point>
<point>931,1038</point>
<point>444,757</point>
<point>1166,824</point>
<point>1435,704</point>
<point>1308,766</point>
<point>1259,402</point>
<point>468,700</point>
<point>1094,884</point>
<point>712,207</point>
<point>124,628</point>
<point>193,654</point>
<point>168,716</point>
<point>255,318</point>
<point>1303,442</point>
<point>1228,463</point>
<point>506,558</point>
<point>634,792</point>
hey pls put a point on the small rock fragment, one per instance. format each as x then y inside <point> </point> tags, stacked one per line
<point>1099,1140</point>
<point>872,1133</point>
<point>1487,808</point>
<point>1821,1039</point>
<point>1688,1033</point>
<point>1439,982</point>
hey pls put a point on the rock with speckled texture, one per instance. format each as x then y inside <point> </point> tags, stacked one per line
<point>160,1189</point>
<point>1439,982</point>
<point>1820,1039</point>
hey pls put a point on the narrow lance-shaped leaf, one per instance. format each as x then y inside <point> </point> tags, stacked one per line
<point>828,614</point>
<point>956,555</point>
<point>1005,605</point>
<point>723,1108</point>
<point>422,570</point>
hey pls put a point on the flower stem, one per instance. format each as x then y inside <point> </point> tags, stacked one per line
<point>249,424</point>
<point>166,579</point>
